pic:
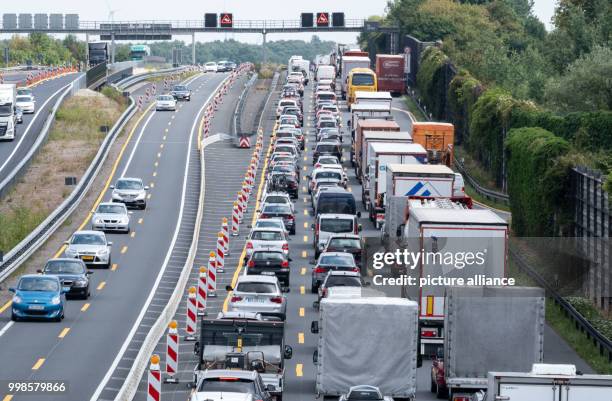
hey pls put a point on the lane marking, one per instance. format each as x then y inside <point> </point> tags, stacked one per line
<point>161,145</point>
<point>305,212</point>
<point>158,155</point>
<point>298,370</point>
<point>148,196</point>
<point>156,164</point>
<point>152,185</point>
<point>305,238</point>
<point>8,397</point>
<point>301,338</point>
<point>63,333</point>
<point>305,224</point>
<point>6,327</point>
<point>155,174</point>
<point>114,267</point>
<point>5,306</point>
<point>132,234</point>
<point>140,220</point>
<point>302,290</point>
<point>305,168</point>
<point>304,254</point>
<point>303,271</point>
<point>302,312</point>
<point>124,249</point>
<point>101,285</point>
<point>85,307</point>
<point>38,364</point>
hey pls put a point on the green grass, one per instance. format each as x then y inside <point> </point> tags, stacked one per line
<point>478,172</point>
<point>471,192</point>
<point>16,224</point>
<point>414,109</point>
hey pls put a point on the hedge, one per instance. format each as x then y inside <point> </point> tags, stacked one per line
<point>537,180</point>
<point>463,92</point>
<point>430,79</point>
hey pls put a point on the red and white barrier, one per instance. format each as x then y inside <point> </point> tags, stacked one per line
<point>212,275</point>
<point>225,230</point>
<point>235,220</point>
<point>201,298</point>
<point>154,380</point>
<point>240,198</point>
<point>192,311</point>
<point>220,253</point>
<point>172,353</point>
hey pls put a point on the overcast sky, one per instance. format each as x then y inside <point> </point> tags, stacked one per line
<point>242,10</point>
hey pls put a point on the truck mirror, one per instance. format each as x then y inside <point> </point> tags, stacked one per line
<point>314,327</point>
<point>196,348</point>
<point>399,230</point>
<point>288,352</point>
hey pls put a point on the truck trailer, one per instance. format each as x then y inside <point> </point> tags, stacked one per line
<point>379,136</point>
<point>390,73</point>
<point>348,327</point>
<point>370,124</point>
<point>8,118</point>
<point>348,63</point>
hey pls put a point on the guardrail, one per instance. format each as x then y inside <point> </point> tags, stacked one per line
<point>129,81</point>
<point>236,123</point>
<point>603,344</point>
<point>16,256</point>
<point>496,196</point>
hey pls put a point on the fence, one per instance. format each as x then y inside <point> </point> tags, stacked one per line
<point>96,75</point>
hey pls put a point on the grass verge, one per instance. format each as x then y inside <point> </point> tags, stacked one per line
<point>72,144</point>
<point>414,109</point>
<point>471,192</point>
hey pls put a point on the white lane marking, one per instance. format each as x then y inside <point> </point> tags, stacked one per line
<point>127,341</point>
<point>25,133</point>
<point>6,327</point>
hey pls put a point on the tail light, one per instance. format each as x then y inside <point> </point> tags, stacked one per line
<point>429,333</point>
<point>285,247</point>
<point>319,269</point>
<point>236,299</point>
<point>324,292</point>
<point>285,264</point>
<point>461,398</point>
<point>356,269</point>
<point>249,245</point>
<point>277,300</point>
<point>317,165</point>
<point>290,217</point>
<point>251,263</point>
<point>317,228</point>
<point>263,216</point>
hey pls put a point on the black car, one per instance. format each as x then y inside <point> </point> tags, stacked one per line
<point>181,92</point>
<point>348,243</point>
<point>327,148</point>
<point>270,262</point>
<point>282,211</point>
<point>71,273</point>
<point>285,182</point>
<point>294,111</point>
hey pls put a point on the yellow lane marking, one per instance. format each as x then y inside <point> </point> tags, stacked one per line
<point>164,138</point>
<point>303,271</point>
<point>305,224</point>
<point>158,155</point>
<point>302,312</point>
<point>156,164</point>
<point>114,267</point>
<point>110,177</point>
<point>152,185</point>
<point>305,238</point>
<point>166,129</point>
<point>298,370</point>
<point>149,196</point>
<point>161,145</point>
<point>7,397</point>
<point>85,307</point>
<point>301,338</point>
<point>5,306</point>
<point>305,158</point>
<point>38,364</point>
<point>124,249</point>
<point>302,290</point>
<point>140,220</point>
<point>63,333</point>
<point>304,254</point>
<point>305,212</point>
<point>101,285</point>
<point>305,201</point>
<point>132,234</point>
<point>172,117</point>
<point>169,122</point>
<point>304,189</point>
<point>305,168</point>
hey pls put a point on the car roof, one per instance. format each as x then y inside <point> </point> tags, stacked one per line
<point>277,193</point>
<point>266,229</point>
<point>112,204</point>
<point>129,179</point>
<point>256,278</point>
<point>96,232</point>
<point>344,235</point>
<point>339,190</point>
<point>336,216</point>
<point>241,374</point>
<point>38,276</point>
<point>336,254</point>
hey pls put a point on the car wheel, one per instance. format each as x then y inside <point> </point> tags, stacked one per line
<point>292,232</point>
<point>14,318</point>
<point>127,230</point>
<point>313,289</point>
<point>108,265</point>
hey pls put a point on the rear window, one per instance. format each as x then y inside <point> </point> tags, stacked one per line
<point>259,288</point>
<point>277,256</point>
<point>363,79</point>
<point>276,199</point>
<point>336,225</point>
<point>326,96</point>
<point>327,124</point>
<point>327,148</point>
<point>288,149</point>
<point>335,203</point>
<point>336,260</point>
<point>267,236</point>
<point>342,281</point>
<point>277,209</point>
<point>227,384</point>
<point>328,174</point>
<point>345,243</point>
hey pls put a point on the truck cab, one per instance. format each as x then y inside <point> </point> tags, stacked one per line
<point>360,79</point>
<point>8,112</point>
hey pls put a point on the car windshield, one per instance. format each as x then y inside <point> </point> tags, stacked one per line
<point>111,209</point>
<point>326,96</point>
<point>227,385</point>
<point>336,204</point>
<point>129,184</point>
<point>87,239</point>
<point>336,225</point>
<point>267,236</point>
<point>269,223</point>
<point>327,123</point>
<point>364,395</point>
<point>259,288</point>
<point>5,110</point>
<point>343,281</point>
<point>328,161</point>
<point>327,148</point>
<point>345,243</point>
<point>165,98</point>
<point>277,209</point>
<point>64,267</point>
<point>180,88</point>
<point>363,79</point>
<point>24,99</point>
<point>263,256</point>
<point>38,284</point>
<point>328,174</point>
<point>24,91</point>
<point>211,64</point>
<point>336,260</point>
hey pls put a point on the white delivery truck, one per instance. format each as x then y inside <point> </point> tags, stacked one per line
<point>348,63</point>
<point>488,328</point>
<point>347,329</point>
<point>373,98</point>
<point>366,111</point>
<point>8,120</point>
<point>367,137</point>
<point>547,382</point>
<point>420,180</point>
<point>455,242</point>
<point>304,66</point>
<point>325,71</point>
<point>381,154</point>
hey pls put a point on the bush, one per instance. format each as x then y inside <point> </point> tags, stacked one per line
<point>430,79</point>
<point>538,178</point>
<point>115,95</point>
<point>463,92</point>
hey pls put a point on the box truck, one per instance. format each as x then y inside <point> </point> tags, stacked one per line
<point>437,138</point>
<point>378,136</point>
<point>547,382</point>
<point>390,73</point>
<point>381,154</point>
<point>8,119</point>
<point>348,327</point>
<point>348,63</point>
<point>437,227</point>
<point>419,180</point>
<point>373,124</point>
<point>487,328</point>
<point>325,72</point>
<point>372,98</point>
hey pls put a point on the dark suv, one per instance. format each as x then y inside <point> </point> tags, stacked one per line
<point>270,262</point>
<point>181,92</point>
<point>327,148</point>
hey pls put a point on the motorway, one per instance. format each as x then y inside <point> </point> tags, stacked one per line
<point>45,94</point>
<point>81,350</point>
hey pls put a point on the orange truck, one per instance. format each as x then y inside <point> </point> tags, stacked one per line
<point>437,139</point>
<point>373,124</point>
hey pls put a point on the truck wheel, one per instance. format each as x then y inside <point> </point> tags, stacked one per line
<point>442,393</point>
<point>433,386</point>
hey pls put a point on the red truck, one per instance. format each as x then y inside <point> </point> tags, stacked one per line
<point>390,73</point>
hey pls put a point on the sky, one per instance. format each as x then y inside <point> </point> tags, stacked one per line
<point>242,9</point>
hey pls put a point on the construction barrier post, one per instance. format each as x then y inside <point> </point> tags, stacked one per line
<point>225,229</point>
<point>172,353</point>
<point>212,275</point>
<point>154,380</point>
<point>220,253</point>
<point>201,298</point>
<point>191,315</point>
<point>235,220</point>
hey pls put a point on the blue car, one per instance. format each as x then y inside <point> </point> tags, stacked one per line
<point>38,297</point>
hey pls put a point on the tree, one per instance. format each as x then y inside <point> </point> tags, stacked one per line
<point>586,86</point>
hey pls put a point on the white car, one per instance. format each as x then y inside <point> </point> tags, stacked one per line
<point>111,216</point>
<point>267,238</point>
<point>165,102</point>
<point>260,294</point>
<point>25,103</point>
<point>91,247</point>
<point>210,67</point>
<point>130,191</point>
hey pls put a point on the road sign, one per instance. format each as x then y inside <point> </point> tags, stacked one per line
<point>210,20</point>
<point>338,19</point>
<point>227,20</point>
<point>307,20</point>
<point>245,142</point>
<point>322,19</point>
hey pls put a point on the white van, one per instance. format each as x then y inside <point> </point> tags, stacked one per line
<point>326,72</point>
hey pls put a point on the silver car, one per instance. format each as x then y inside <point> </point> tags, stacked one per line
<point>131,192</point>
<point>260,294</point>
<point>111,216</point>
<point>165,102</point>
<point>267,238</point>
<point>91,247</point>
<point>364,392</point>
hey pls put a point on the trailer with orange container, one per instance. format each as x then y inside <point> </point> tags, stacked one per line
<point>437,139</point>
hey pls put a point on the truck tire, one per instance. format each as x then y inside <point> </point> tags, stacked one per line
<point>442,393</point>
<point>433,386</point>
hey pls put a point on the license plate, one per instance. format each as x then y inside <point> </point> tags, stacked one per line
<point>36,307</point>
<point>66,289</point>
<point>267,273</point>
<point>251,299</point>
<point>88,258</point>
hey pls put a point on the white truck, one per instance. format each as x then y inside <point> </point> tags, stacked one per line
<point>8,119</point>
<point>367,137</point>
<point>372,98</point>
<point>488,329</point>
<point>374,183</point>
<point>547,382</point>
<point>345,356</point>
<point>443,231</point>
<point>419,180</point>
<point>325,71</point>
<point>348,63</point>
